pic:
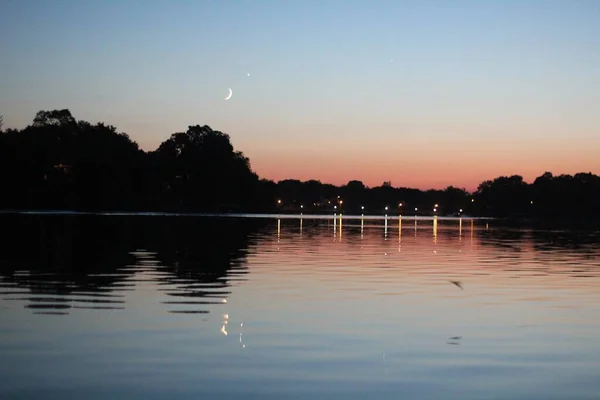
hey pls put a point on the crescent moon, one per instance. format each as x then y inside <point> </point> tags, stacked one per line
<point>230,94</point>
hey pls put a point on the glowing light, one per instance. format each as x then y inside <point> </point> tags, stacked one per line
<point>335,207</point>
<point>361,227</point>
<point>385,228</point>
<point>399,204</point>
<point>362,207</point>
<point>399,232</point>
<point>279,201</point>
<point>436,205</point>
<point>224,330</point>
<point>460,210</point>
<point>301,206</point>
<point>386,208</point>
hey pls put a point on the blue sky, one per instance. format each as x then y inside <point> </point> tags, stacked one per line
<point>519,77</point>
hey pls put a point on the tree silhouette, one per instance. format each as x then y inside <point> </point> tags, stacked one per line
<point>61,118</point>
<point>199,170</point>
<point>58,162</point>
<point>504,196</point>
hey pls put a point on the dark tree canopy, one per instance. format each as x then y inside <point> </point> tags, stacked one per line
<point>60,163</point>
<point>54,118</point>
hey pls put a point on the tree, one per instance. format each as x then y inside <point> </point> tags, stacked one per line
<point>506,196</point>
<point>199,169</point>
<point>54,118</point>
<point>61,164</point>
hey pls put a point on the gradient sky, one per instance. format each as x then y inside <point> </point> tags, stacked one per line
<point>476,89</point>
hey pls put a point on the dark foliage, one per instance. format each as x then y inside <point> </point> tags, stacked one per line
<point>60,163</point>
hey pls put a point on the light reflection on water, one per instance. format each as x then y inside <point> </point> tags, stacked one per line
<point>334,307</point>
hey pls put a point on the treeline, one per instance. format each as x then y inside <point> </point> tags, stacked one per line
<point>59,163</point>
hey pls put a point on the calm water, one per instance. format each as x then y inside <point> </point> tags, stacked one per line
<point>199,307</point>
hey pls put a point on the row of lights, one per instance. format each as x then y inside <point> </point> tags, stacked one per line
<point>435,207</point>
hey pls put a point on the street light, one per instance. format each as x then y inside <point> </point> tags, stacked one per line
<point>386,208</point>
<point>279,201</point>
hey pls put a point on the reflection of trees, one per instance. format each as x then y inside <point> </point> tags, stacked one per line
<point>78,259</point>
<point>63,254</point>
<point>585,242</point>
<point>201,250</point>
<point>508,239</point>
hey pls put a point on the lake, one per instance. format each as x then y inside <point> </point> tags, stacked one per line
<point>176,307</point>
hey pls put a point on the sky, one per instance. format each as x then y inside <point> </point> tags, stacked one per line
<point>424,94</point>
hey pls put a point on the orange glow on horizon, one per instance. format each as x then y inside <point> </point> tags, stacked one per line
<point>425,169</point>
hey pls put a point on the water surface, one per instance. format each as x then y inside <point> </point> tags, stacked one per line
<point>191,307</point>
